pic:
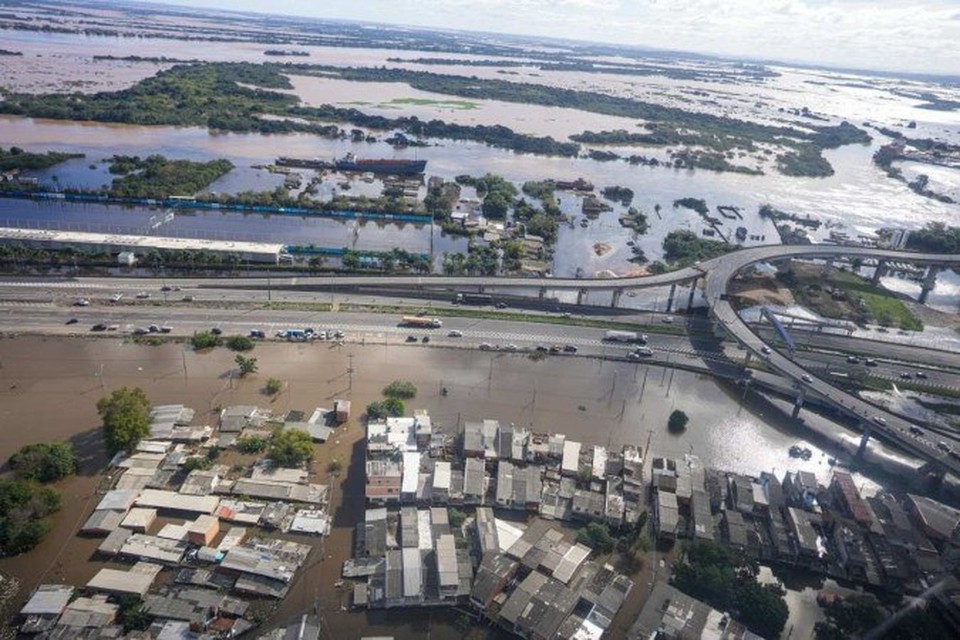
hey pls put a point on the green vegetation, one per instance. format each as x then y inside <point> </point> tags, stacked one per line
<point>273,386</point>
<point>636,220</point>
<point>24,508</point>
<point>596,535</point>
<point>290,447</point>
<point>850,617</point>
<point>133,615</point>
<point>711,161</point>
<point>678,421</point>
<point>390,407</point>
<point>464,105</point>
<point>240,343</point>
<point>158,177</point>
<point>881,305</point>
<point>251,444</point>
<point>44,461</point>
<point>623,195</point>
<point>17,158</point>
<point>246,365</point>
<point>335,466</point>
<point>805,161</point>
<point>935,237</point>
<point>696,204</point>
<point>498,193</point>
<point>480,260</point>
<point>400,389</point>
<point>126,418</point>
<point>205,340</point>
<point>544,192</point>
<point>456,518</point>
<point>727,580</point>
<point>683,248</point>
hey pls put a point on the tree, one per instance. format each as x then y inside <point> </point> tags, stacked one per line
<point>247,365</point>
<point>44,461</point>
<point>239,343</point>
<point>291,447</point>
<point>274,385</point>
<point>849,617</point>
<point>205,340</point>
<point>597,536</point>
<point>335,466</point>
<point>677,421</point>
<point>400,389</point>
<point>391,407</point>
<point>456,517</point>
<point>126,418</point>
<point>23,510</point>
<point>133,615</point>
<point>251,444</point>
<point>657,267</point>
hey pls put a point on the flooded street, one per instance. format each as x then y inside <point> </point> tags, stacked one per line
<point>49,387</point>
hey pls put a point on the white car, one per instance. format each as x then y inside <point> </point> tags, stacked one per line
<point>455,333</point>
<point>81,302</point>
<point>142,295</point>
<point>117,297</point>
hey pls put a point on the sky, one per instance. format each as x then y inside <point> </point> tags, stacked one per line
<point>921,36</point>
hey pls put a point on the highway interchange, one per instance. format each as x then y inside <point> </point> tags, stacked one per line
<point>44,306</point>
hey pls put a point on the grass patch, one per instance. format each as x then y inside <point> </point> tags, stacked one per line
<point>883,306</point>
<point>464,105</point>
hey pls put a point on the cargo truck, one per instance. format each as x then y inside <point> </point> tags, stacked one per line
<point>423,323</point>
<point>473,298</point>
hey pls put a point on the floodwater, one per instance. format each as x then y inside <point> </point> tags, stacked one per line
<point>49,388</point>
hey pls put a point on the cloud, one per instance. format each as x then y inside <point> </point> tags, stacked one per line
<point>849,33</point>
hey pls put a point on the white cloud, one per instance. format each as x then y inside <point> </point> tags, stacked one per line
<point>898,35</point>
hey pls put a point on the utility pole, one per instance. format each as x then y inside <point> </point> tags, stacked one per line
<point>350,371</point>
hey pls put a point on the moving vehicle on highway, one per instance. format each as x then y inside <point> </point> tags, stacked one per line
<point>625,336</point>
<point>473,298</point>
<point>423,323</point>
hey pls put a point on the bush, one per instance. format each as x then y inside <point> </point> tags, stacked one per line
<point>44,461</point>
<point>335,466</point>
<point>239,343</point>
<point>291,447</point>
<point>23,510</point>
<point>456,517</point>
<point>391,407</point>
<point>400,389</point>
<point>274,385</point>
<point>197,463</point>
<point>126,418</point>
<point>246,365</point>
<point>205,340</point>
<point>251,444</point>
<point>677,421</point>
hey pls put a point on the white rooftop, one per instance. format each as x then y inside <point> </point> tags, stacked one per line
<point>143,243</point>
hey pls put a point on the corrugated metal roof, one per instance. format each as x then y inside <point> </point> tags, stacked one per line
<point>48,600</point>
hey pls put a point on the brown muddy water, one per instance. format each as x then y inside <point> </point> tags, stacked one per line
<point>49,388</point>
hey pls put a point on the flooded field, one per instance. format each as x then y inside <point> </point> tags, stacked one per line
<point>49,387</point>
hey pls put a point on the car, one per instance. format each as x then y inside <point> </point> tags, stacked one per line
<point>188,298</point>
<point>81,302</point>
<point>569,348</point>
<point>565,314</point>
<point>98,327</point>
<point>633,356</point>
<point>139,331</point>
<point>455,333</point>
<point>486,346</point>
<point>113,327</point>
<point>257,333</point>
<point>338,334</point>
<point>501,305</point>
<point>806,378</point>
<point>915,430</point>
<point>166,329</point>
<point>853,359</point>
<point>542,349</point>
<point>511,347</point>
<point>425,339</point>
<point>880,420</point>
<point>217,331</point>
<point>921,375</point>
<point>943,446</point>
<point>142,295</point>
<point>667,320</point>
<point>556,348</point>
<point>411,338</point>
<point>117,297</point>
<point>906,375</point>
<point>765,350</point>
<point>870,362</point>
<point>644,352</point>
<point>166,288</point>
<point>72,321</point>
<point>153,328</point>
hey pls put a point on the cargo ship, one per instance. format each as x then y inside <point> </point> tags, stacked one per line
<point>392,167</point>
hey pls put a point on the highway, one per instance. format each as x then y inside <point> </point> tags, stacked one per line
<point>716,274</point>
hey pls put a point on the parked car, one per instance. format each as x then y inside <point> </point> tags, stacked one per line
<point>486,346</point>
<point>98,327</point>
<point>257,333</point>
<point>153,328</point>
<point>556,348</point>
<point>142,295</point>
<point>455,333</point>
<point>511,347</point>
<point>411,338</point>
<point>166,329</point>
<point>870,362</point>
<point>117,297</point>
<point>853,359</point>
<point>569,349</point>
<point>921,375</point>
<point>72,321</point>
<point>81,302</point>
<point>906,375</point>
<point>139,331</point>
<point>426,339</point>
<point>217,331</point>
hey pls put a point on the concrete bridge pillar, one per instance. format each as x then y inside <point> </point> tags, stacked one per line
<point>693,290</point>
<point>673,291</point>
<point>542,293</point>
<point>929,282</point>
<point>880,272</point>
<point>749,357</point>
<point>581,296</point>
<point>480,288</point>
<point>864,439</point>
<point>615,300</point>
<point>798,404</point>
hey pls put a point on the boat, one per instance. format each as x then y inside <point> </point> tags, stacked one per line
<point>393,167</point>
